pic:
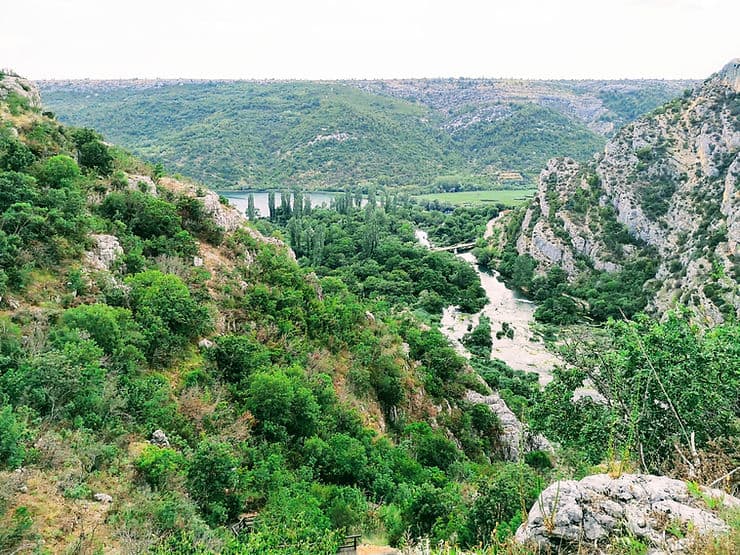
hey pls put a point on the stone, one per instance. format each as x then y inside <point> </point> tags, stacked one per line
<point>103,498</point>
<point>159,438</point>
<point>197,261</point>
<point>104,252</point>
<point>517,439</point>
<point>13,84</point>
<point>599,508</point>
<point>205,343</point>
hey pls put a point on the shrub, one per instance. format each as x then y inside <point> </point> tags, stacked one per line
<point>58,171</point>
<point>160,467</point>
<point>12,436</point>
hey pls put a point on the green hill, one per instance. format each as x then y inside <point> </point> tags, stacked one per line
<point>253,135</point>
<point>427,135</point>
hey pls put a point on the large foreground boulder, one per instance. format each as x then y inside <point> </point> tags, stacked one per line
<point>663,513</point>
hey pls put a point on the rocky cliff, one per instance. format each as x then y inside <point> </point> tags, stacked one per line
<point>666,186</point>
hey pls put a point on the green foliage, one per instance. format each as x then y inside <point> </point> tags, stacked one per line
<point>214,481</point>
<point>663,381</point>
<point>64,382</point>
<point>479,341</point>
<point>503,499</point>
<point>160,467</point>
<point>58,171</point>
<point>332,134</point>
<point>13,434</point>
<point>94,156</point>
<point>169,316</point>
<point>238,356</point>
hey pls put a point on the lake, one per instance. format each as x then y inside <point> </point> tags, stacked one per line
<point>239,199</point>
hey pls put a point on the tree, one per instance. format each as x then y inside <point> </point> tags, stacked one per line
<point>669,385</point>
<point>169,316</point>
<point>214,482</point>
<point>58,171</point>
<point>251,211</point>
<point>95,156</point>
<point>238,356</point>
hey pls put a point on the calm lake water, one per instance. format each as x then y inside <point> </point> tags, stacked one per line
<point>239,199</point>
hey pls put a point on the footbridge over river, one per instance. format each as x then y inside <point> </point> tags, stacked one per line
<point>456,248</point>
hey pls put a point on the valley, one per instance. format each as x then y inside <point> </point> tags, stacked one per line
<point>441,316</point>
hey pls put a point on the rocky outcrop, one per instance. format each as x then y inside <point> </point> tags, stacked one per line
<point>12,84</point>
<point>104,252</point>
<point>661,512</point>
<point>670,180</point>
<point>517,439</point>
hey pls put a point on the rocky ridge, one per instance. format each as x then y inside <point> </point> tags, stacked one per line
<point>670,180</point>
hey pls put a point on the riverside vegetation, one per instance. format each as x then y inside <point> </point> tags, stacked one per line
<point>167,366</point>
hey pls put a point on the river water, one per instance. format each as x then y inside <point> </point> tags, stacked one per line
<point>525,351</point>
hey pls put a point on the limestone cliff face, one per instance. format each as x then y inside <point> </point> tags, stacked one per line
<point>670,180</point>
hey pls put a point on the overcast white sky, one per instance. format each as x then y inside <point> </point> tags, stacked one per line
<point>316,39</point>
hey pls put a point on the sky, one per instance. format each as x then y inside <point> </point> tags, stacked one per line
<point>338,39</point>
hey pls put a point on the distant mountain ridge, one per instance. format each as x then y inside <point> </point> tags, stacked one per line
<point>424,134</point>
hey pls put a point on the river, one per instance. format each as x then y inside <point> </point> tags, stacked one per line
<point>525,351</point>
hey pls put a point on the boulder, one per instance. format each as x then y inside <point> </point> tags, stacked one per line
<point>598,509</point>
<point>516,438</point>
<point>103,498</point>
<point>159,438</point>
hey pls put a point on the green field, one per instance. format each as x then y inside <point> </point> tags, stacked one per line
<point>507,197</point>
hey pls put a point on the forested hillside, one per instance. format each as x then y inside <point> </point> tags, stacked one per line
<point>232,134</point>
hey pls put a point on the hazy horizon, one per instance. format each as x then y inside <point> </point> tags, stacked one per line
<point>327,40</point>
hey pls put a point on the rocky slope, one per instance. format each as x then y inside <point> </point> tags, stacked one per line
<point>602,106</point>
<point>665,186</point>
<point>13,86</point>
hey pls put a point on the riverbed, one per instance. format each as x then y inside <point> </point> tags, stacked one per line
<point>525,351</point>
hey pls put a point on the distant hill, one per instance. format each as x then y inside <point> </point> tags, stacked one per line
<point>426,134</point>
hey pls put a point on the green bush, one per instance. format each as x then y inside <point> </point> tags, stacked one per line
<point>160,467</point>
<point>13,434</point>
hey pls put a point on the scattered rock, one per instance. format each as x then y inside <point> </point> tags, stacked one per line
<point>197,261</point>
<point>103,498</point>
<point>204,344</point>
<point>599,508</point>
<point>159,438</point>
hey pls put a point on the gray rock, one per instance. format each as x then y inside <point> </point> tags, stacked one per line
<point>13,84</point>
<point>159,438</point>
<point>204,344</point>
<point>104,252</point>
<point>103,498</point>
<point>599,508</point>
<point>517,439</point>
